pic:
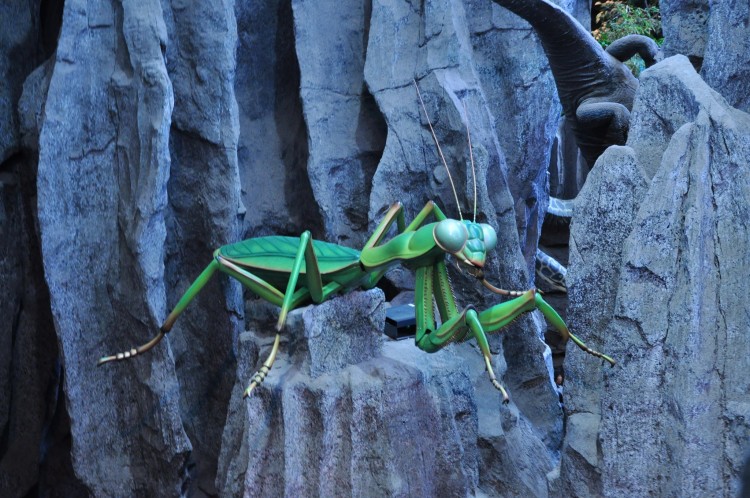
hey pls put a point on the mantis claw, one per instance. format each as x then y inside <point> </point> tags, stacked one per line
<point>494,381</point>
<point>499,387</point>
<point>257,380</point>
<point>259,376</point>
<point>132,351</point>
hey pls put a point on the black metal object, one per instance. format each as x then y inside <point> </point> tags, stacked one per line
<point>400,322</point>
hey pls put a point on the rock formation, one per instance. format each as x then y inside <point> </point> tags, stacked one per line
<point>162,130</point>
<point>136,137</point>
<point>669,276</point>
<point>685,28</point>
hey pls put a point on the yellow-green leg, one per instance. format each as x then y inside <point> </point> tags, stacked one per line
<point>551,315</point>
<point>432,282</point>
<point>313,289</point>
<point>189,295</point>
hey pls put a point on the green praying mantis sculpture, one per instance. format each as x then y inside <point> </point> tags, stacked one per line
<point>293,271</point>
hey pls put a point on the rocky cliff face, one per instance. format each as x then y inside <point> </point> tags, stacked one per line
<point>715,36</point>
<point>659,245</point>
<point>136,137</point>
<point>158,131</point>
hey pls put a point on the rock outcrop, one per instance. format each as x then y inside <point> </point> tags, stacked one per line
<point>679,392</point>
<point>714,36</point>
<point>685,28</point>
<point>347,412</point>
<point>204,212</point>
<point>343,413</point>
<point>726,63</point>
<point>102,185</point>
<point>159,131</point>
<point>605,210</point>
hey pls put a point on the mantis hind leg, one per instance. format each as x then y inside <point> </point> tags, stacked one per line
<point>289,300</point>
<point>189,295</point>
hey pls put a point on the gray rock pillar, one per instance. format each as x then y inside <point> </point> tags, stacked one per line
<point>205,212</point>
<point>344,414</point>
<point>674,410</point>
<point>103,168</point>
<point>603,218</point>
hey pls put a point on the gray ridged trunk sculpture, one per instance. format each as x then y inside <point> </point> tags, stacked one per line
<point>594,86</point>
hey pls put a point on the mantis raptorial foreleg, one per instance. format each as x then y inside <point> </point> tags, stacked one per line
<point>501,315</point>
<point>432,282</point>
<point>456,325</point>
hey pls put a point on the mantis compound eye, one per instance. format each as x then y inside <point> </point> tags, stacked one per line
<point>450,235</point>
<point>490,237</point>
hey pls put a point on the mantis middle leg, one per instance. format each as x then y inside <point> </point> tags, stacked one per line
<point>395,213</point>
<point>313,289</point>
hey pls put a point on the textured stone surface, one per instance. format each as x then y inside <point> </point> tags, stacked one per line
<point>204,213</point>
<point>36,453</point>
<point>353,431</point>
<point>410,170</point>
<point>324,352</point>
<point>603,218</point>
<point>510,80</point>
<point>29,376</point>
<point>19,23</point>
<point>346,130</point>
<point>676,94</point>
<point>684,24</point>
<point>134,195</point>
<point>679,391</point>
<point>514,456</point>
<point>685,348</point>
<point>103,165</point>
<point>726,66</point>
<point>490,448</point>
<point>273,144</point>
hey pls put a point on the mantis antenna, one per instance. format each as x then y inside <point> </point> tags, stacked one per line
<point>471,156</point>
<point>450,177</point>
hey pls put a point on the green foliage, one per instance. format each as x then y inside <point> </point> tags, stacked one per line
<point>619,19</point>
<point>616,19</point>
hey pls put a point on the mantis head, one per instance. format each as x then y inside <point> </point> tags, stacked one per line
<point>467,241</point>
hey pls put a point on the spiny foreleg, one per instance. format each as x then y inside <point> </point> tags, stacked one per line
<point>432,281</point>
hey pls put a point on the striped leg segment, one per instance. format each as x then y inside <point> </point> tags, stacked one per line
<point>457,326</point>
<point>189,295</point>
<point>313,289</point>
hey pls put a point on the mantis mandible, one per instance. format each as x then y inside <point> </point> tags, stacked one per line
<point>294,271</point>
